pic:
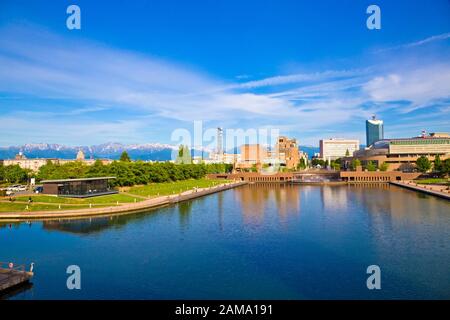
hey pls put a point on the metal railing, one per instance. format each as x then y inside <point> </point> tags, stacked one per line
<point>8,271</point>
<point>7,266</point>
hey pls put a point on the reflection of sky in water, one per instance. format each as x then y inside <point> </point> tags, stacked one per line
<point>256,241</point>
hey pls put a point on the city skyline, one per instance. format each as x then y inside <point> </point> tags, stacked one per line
<point>157,78</point>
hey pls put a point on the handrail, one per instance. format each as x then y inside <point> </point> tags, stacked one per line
<point>19,267</point>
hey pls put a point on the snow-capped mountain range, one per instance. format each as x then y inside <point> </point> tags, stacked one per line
<point>112,150</point>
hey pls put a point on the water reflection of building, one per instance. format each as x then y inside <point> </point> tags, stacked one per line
<point>257,199</point>
<point>395,203</point>
<point>334,197</point>
<point>184,210</point>
<point>98,224</point>
<point>81,226</point>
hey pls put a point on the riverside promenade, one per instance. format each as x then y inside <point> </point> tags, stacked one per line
<point>117,210</point>
<point>435,190</point>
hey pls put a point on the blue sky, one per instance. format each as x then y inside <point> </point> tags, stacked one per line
<point>138,70</point>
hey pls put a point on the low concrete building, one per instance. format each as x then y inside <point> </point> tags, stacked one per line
<point>78,188</point>
<point>31,164</point>
<point>401,154</point>
<point>34,164</point>
<point>378,176</point>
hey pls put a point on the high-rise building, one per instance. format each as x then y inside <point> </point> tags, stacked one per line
<point>219,150</point>
<point>253,153</point>
<point>332,149</point>
<point>374,131</point>
<point>287,151</point>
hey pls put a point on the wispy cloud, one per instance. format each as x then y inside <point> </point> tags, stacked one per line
<point>298,78</point>
<point>113,94</point>
<point>423,87</point>
<point>438,37</point>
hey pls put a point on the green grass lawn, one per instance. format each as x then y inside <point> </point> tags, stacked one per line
<point>168,188</point>
<point>107,199</point>
<point>136,193</point>
<point>16,207</point>
<point>433,181</point>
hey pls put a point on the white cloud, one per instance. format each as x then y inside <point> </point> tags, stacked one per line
<point>425,41</point>
<point>422,86</point>
<point>296,78</point>
<point>97,79</point>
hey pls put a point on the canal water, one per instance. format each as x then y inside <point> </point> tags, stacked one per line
<point>253,242</point>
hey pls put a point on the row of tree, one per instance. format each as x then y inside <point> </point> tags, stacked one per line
<point>130,173</point>
<point>438,166</point>
<point>13,174</point>
<point>127,173</point>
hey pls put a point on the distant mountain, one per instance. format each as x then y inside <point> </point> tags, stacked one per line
<point>112,150</point>
<point>149,151</point>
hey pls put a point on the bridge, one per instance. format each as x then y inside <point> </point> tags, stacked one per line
<point>319,176</point>
<point>306,176</point>
<point>316,176</point>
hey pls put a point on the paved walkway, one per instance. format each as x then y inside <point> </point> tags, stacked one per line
<point>121,209</point>
<point>435,190</point>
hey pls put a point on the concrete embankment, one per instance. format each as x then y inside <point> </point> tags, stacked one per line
<point>439,191</point>
<point>117,210</point>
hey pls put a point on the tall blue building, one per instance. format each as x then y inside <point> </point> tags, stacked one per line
<point>374,130</point>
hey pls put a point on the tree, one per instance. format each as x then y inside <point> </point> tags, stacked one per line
<point>383,167</point>
<point>301,164</point>
<point>15,174</point>
<point>124,157</point>
<point>2,172</point>
<point>336,164</point>
<point>184,155</point>
<point>437,163</point>
<point>355,163</point>
<point>445,167</point>
<point>423,164</point>
<point>347,153</point>
<point>371,166</point>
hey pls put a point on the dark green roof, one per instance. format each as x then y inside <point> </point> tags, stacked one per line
<point>80,179</point>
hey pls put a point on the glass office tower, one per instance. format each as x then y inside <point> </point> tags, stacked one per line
<point>374,131</point>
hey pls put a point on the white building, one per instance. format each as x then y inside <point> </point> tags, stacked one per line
<point>334,148</point>
<point>228,158</point>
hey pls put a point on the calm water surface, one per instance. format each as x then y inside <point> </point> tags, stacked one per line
<point>252,242</point>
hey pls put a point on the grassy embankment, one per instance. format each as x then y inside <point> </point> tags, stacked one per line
<point>126,195</point>
<point>440,181</point>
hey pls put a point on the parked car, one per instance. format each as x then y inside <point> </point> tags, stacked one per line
<point>21,188</point>
<point>16,187</point>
